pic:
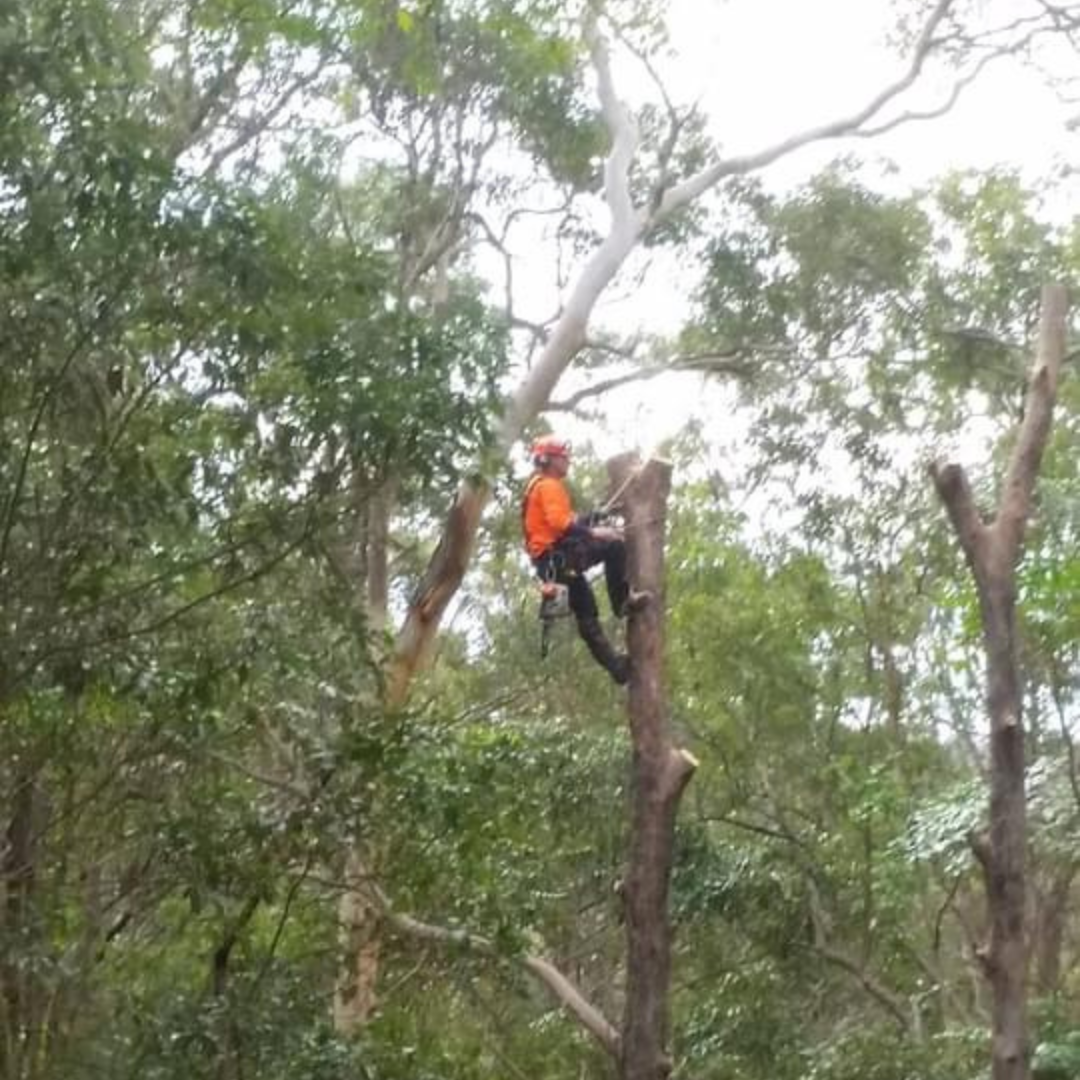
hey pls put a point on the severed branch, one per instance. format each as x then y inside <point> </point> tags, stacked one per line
<point>1019,485</point>
<point>1002,538</point>
<point>892,1003</point>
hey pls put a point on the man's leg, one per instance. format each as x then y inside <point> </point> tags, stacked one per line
<point>612,553</point>
<point>618,588</point>
<point>583,605</point>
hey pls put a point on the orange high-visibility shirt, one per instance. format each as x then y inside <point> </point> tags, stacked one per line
<point>546,513</point>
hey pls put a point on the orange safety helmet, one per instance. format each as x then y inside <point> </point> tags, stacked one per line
<point>547,447</point>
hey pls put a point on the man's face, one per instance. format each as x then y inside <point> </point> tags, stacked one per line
<point>560,465</point>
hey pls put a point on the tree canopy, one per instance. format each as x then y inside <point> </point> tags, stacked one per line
<point>252,349</point>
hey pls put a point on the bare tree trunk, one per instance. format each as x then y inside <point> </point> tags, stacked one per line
<point>416,639</point>
<point>992,548</point>
<point>660,774</point>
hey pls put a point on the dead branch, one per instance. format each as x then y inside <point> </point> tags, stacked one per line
<point>955,492</point>
<point>542,969</point>
<point>1026,457</point>
<point>891,1002</point>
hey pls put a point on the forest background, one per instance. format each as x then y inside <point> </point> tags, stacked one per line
<point>285,788</point>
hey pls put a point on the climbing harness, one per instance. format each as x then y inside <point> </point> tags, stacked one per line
<point>608,508</point>
<point>554,594</point>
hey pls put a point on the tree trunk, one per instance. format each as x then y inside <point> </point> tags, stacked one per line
<point>359,930</point>
<point>380,512</point>
<point>416,639</point>
<point>992,548</point>
<point>1005,868</point>
<point>660,774</point>
<point>359,935</point>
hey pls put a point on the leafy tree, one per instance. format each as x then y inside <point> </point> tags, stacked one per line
<point>191,358</point>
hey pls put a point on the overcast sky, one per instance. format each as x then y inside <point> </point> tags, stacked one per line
<point>765,69</point>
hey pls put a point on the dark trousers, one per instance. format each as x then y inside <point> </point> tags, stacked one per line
<point>566,563</point>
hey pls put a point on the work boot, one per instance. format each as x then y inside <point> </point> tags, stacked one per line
<point>615,663</point>
<point>636,600</point>
<point>620,669</point>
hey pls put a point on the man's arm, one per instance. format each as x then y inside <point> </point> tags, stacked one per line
<point>557,509</point>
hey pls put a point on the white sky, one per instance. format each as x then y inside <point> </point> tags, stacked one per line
<point>765,69</point>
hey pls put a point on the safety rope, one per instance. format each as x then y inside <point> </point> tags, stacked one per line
<point>630,476</point>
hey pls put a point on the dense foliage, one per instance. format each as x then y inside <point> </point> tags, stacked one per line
<point>237,380</point>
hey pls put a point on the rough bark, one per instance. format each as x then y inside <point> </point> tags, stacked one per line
<point>660,774</point>
<point>992,549</point>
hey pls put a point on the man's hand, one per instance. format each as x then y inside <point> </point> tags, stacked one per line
<point>605,533</point>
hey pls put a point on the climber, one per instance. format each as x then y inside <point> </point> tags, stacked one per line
<point>562,547</point>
